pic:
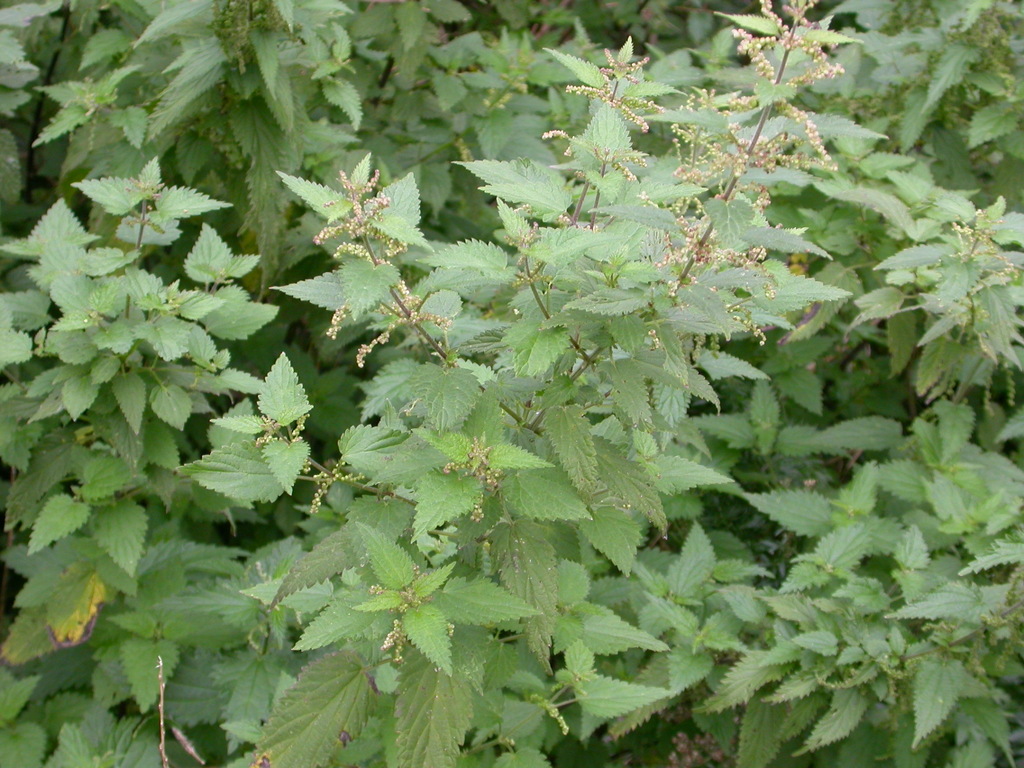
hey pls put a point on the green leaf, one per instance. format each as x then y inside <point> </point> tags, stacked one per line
<point>117,196</point>
<point>480,602</point>
<point>171,403</point>
<point>535,349</point>
<point>366,285</point>
<point>569,432</point>
<point>344,95</point>
<point>614,534</point>
<point>179,203</point>
<point>331,701</point>
<point>239,471</point>
<point>449,394</point>
<point>694,565</point>
<point>340,620</point>
<point>607,697</point>
<point>760,24</point>
<point>585,72</point>
<point>390,562</point>
<point>952,600</point>
<point>14,694</point>
<point>523,181</point>
<point>102,477</point>
<point>938,683</point>
<point>544,494</point>
<point>730,219</point>
<point>282,398</point>
<point>121,531</point>
<point>1008,551</point>
<point>130,392</point>
<point>433,711</point>
<point>760,734</point>
<point>954,63</point>
<point>15,347</point>
<point>286,460</point>
<point>139,657</point>
<point>804,512</point>
<point>427,628</point>
<point>338,551</point>
<point>400,220</point>
<point>59,517</point>
<point>523,757</point>
<point>324,291</point>
<point>848,707</point>
<point>606,633</point>
<point>528,568</point>
<point>441,498</point>
<point>328,203</point>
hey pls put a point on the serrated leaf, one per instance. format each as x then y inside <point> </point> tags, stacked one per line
<point>334,554</point>
<point>179,203</point>
<point>528,568</point>
<point>449,394</point>
<point>585,72</point>
<point>239,471</point>
<point>441,498</point>
<point>329,203</point>
<point>1008,551</point>
<point>614,534</point>
<point>344,95</point>
<point>59,517</point>
<point>848,707</point>
<point>479,602</point>
<point>760,734</point>
<point>116,196</point>
<point>15,347</point>
<point>433,711</point>
<point>569,432</point>
<point>334,695</point>
<point>523,181</point>
<point>953,600</point>
<point>367,285</point>
<point>760,24</point>
<point>171,403</point>
<point>286,460</point>
<point>121,531</point>
<point>938,683</point>
<point>282,398</point>
<point>544,494</point>
<point>130,392</point>
<point>607,697</point>
<point>534,348</point>
<point>607,633</point>
<point>694,565</point>
<point>392,564</point>
<point>340,620</point>
<point>324,291</point>
<point>804,512</point>
<point>427,628</point>
<point>139,657</point>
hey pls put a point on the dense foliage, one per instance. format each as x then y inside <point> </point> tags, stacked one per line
<point>515,384</point>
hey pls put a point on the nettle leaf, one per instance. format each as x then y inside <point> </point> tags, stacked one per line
<point>344,95</point>
<point>760,24</point>
<point>121,531</point>
<point>139,657</point>
<point>938,683</point>
<point>953,600</point>
<point>614,534</point>
<point>286,460</point>
<point>340,620</point>
<point>179,203</point>
<point>238,471</point>
<point>585,72</point>
<point>535,349</point>
<point>329,203</point>
<point>433,711</point>
<point>607,633</point>
<point>325,291</point>
<point>338,551</point>
<point>694,565</point>
<point>116,196</point>
<point>528,567</point>
<point>848,707</point>
<point>804,512</point>
<point>480,602</point>
<point>449,394</point>
<point>331,701</point>
<point>427,628</point>
<point>282,398</point>
<point>569,432</point>
<point>59,517</point>
<point>441,498</point>
<point>1008,551</point>
<point>523,181</point>
<point>544,494</point>
<point>400,220</point>
<point>760,733</point>
<point>130,392</point>
<point>392,564</point>
<point>171,403</point>
<point>607,697</point>
<point>367,285</point>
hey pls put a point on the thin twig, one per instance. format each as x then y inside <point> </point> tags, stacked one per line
<point>164,762</point>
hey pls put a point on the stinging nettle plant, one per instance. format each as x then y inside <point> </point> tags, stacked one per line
<point>524,440</point>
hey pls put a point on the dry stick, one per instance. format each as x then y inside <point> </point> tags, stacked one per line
<point>160,711</point>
